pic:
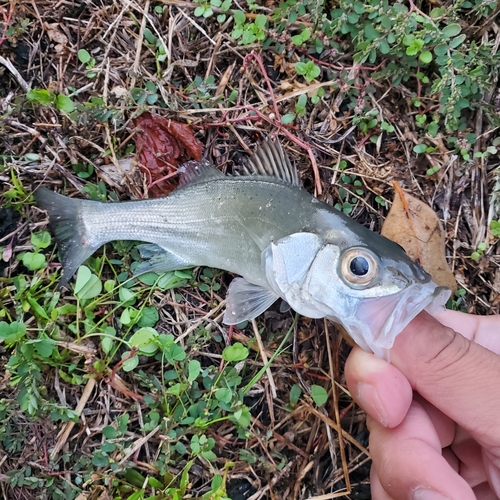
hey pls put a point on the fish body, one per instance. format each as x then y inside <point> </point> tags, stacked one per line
<point>282,241</point>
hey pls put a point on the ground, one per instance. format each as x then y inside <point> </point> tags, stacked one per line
<point>135,389</point>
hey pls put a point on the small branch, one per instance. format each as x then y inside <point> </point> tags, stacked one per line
<point>25,85</point>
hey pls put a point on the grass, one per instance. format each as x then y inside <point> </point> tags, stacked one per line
<point>132,388</point>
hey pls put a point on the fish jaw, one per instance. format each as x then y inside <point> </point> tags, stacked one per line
<point>375,322</point>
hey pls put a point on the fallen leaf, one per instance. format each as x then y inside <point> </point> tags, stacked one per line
<point>415,226</point>
<point>162,146</point>
<point>55,34</point>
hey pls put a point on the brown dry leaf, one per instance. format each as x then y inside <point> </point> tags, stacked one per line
<point>55,34</point>
<point>162,145</point>
<point>416,227</point>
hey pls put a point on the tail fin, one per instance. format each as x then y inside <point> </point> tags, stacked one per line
<point>66,223</point>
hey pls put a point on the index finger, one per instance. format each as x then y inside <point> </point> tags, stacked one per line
<point>484,330</point>
<point>455,374</point>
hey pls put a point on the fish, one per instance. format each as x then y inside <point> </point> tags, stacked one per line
<point>263,226</point>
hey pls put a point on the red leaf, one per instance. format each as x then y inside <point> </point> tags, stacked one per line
<point>162,146</point>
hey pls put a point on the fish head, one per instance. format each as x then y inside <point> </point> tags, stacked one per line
<point>372,291</point>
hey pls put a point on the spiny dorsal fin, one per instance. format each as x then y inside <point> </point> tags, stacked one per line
<point>270,159</point>
<point>193,172</point>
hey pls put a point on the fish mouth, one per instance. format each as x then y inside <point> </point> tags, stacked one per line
<point>375,322</point>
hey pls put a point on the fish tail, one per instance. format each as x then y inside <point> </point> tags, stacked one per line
<point>67,224</point>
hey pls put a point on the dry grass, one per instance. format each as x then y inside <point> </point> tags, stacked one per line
<point>301,452</point>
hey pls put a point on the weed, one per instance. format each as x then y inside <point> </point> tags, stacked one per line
<point>85,58</point>
<point>476,255</point>
<point>495,228</point>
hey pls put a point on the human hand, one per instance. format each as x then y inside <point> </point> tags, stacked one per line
<point>434,412</point>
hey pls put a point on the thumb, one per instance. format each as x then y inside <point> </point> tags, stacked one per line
<point>456,375</point>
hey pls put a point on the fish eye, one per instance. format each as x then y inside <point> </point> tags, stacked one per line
<point>359,266</point>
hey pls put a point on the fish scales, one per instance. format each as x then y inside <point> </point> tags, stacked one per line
<point>209,222</point>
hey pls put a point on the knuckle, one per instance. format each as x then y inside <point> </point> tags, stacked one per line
<point>451,349</point>
<point>448,354</point>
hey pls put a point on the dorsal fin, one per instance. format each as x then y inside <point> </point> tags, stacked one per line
<point>270,159</point>
<point>193,172</point>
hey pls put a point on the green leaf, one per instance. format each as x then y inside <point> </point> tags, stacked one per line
<point>176,389</point>
<point>441,49</point>
<point>301,68</point>
<point>243,417</point>
<point>288,118</point>
<point>100,459</point>
<point>41,96</point>
<point>41,239</point>
<point>109,432</point>
<point>426,57</point>
<point>457,41</point>
<point>199,11</point>
<point>149,317</point>
<point>313,73</point>
<point>127,296</point>
<point>83,56</point>
<point>180,448</point>
<point>64,103</point>
<point>420,148</point>
<point>239,17</point>
<point>319,394</point>
<point>359,7</point>
<point>130,363</point>
<point>302,101</point>
<point>33,261</point>
<point>295,393</point>
<point>194,369</point>
<point>437,12</point>
<point>306,34</point>
<point>352,18</point>
<point>145,340</point>
<point>87,285</point>
<point>370,32</point>
<point>451,30</point>
<point>235,352</point>
<point>408,39</point>
<point>224,394</point>
<point>13,332</point>
<point>37,308</point>
<point>154,483</point>
<point>260,21</point>
<point>237,32</point>
<point>384,47</point>
<point>44,347</point>
<point>107,344</point>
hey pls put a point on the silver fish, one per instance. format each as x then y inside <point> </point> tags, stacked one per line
<point>282,241</point>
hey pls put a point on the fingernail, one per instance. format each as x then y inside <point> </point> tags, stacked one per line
<point>425,494</point>
<point>369,399</point>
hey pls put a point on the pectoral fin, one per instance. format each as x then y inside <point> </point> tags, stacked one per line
<point>284,306</point>
<point>159,260</point>
<point>246,301</point>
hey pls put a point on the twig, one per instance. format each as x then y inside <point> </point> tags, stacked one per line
<point>24,84</point>
<point>265,360</point>
<point>336,407</point>
<point>68,426</point>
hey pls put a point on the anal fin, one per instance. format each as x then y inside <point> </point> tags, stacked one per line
<point>159,260</point>
<point>245,301</point>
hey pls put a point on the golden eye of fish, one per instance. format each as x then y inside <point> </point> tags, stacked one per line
<point>359,266</point>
